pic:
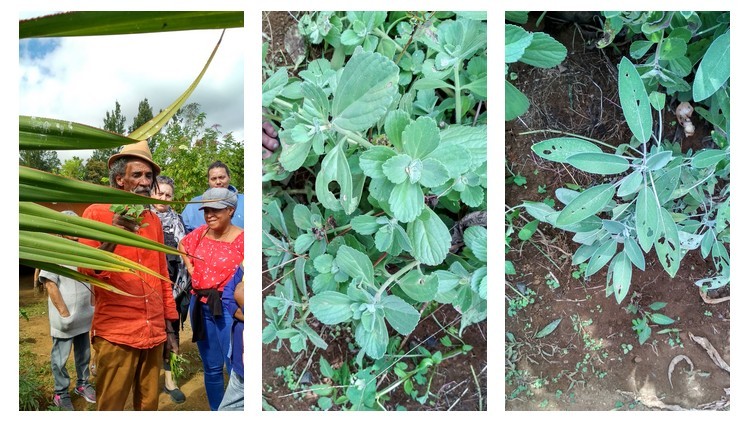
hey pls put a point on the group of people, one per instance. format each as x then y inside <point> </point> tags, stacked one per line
<point>133,335</point>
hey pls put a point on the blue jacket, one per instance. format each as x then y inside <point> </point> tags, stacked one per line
<point>193,217</point>
<point>230,305</point>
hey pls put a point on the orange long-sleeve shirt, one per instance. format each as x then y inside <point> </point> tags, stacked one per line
<point>136,321</point>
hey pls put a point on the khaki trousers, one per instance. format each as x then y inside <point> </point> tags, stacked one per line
<point>120,369</point>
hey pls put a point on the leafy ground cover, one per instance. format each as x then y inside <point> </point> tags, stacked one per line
<point>571,345</point>
<point>374,237</point>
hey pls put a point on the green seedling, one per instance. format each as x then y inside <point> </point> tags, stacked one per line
<point>130,212</point>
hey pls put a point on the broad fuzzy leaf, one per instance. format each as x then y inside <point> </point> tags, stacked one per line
<point>335,168</point>
<point>371,161</point>
<point>365,224</point>
<point>516,103</point>
<point>406,201</point>
<point>395,123</point>
<point>429,237</point>
<point>434,173</point>
<point>355,263</point>
<point>588,203</point>
<point>331,307</point>
<point>420,137</point>
<point>402,316</point>
<point>418,286</point>
<point>544,51</point>
<point>273,86</point>
<point>367,86</point>
<point>516,41</point>
<point>475,237</point>
<point>713,71</point>
<point>395,168</point>
<point>373,338</point>
<point>559,149</point>
<point>634,101</point>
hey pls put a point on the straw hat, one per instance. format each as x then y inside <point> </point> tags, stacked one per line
<point>139,150</point>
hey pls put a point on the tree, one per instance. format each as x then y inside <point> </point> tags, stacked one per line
<point>186,147</point>
<point>115,122</point>
<point>73,168</point>
<point>96,170</point>
<point>145,113</point>
<point>44,160</point>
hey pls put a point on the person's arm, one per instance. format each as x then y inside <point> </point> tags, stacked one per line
<point>228,295</point>
<point>56,297</point>
<point>239,297</point>
<point>186,259</point>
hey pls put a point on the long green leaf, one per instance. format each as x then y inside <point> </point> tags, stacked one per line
<point>39,133</point>
<point>126,22</point>
<point>646,218</point>
<point>39,186</point>
<point>588,203</point>
<point>154,125</point>
<point>50,248</point>
<point>634,101</point>
<point>516,102</point>
<point>620,273</point>
<point>368,85</point>
<point>599,162</point>
<point>75,275</point>
<point>37,218</point>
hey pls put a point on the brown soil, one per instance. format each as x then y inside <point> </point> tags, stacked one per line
<point>34,334</point>
<point>583,366</point>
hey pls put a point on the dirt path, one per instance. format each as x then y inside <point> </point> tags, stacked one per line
<point>34,333</point>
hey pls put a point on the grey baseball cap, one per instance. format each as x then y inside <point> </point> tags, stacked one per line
<point>220,198</point>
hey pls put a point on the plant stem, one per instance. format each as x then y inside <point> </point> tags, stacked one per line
<point>457,89</point>
<point>352,136</point>
<point>379,32</point>
<point>282,103</point>
<point>395,277</point>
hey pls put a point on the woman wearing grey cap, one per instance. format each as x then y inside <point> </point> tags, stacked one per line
<point>216,249</point>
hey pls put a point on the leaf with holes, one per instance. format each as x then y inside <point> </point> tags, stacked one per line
<point>668,244</point>
<point>646,218</point>
<point>559,149</point>
<point>666,184</point>
<point>418,286</point>
<point>619,273</point>
<point>634,101</point>
<point>588,203</point>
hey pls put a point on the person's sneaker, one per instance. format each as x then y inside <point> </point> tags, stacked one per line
<point>63,402</point>
<point>87,392</point>
<point>176,395</point>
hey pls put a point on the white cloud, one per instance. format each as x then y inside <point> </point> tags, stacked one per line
<point>81,79</point>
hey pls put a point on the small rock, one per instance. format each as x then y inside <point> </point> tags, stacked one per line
<point>637,359</point>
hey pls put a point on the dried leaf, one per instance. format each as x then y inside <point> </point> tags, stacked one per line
<point>712,352</point>
<point>674,363</point>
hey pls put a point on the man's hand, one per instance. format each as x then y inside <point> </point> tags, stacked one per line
<point>270,143</point>
<point>124,223</point>
<point>172,344</point>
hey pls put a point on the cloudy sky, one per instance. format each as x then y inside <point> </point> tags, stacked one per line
<point>80,78</point>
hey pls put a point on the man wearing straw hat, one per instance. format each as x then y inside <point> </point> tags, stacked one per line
<point>128,333</point>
